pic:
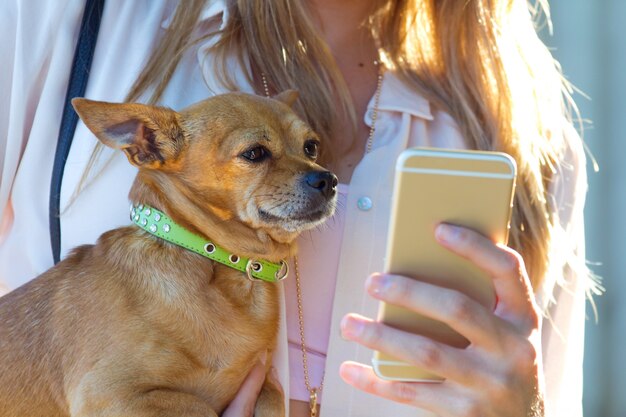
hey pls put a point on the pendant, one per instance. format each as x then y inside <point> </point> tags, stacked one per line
<point>313,402</point>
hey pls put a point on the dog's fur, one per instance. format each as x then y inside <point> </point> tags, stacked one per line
<point>134,326</point>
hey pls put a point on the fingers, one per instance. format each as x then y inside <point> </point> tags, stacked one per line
<point>504,265</point>
<point>420,351</point>
<point>491,376</point>
<point>245,400</point>
<point>457,310</point>
<point>424,395</point>
<point>446,400</point>
<point>272,376</point>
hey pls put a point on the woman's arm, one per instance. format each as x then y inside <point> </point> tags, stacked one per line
<point>38,40</point>
<point>8,23</point>
<point>563,299</point>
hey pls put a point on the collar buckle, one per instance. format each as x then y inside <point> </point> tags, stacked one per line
<point>255,266</point>
<point>283,271</point>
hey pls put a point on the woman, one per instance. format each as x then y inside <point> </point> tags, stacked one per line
<point>374,78</point>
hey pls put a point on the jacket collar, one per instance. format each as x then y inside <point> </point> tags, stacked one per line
<point>395,96</point>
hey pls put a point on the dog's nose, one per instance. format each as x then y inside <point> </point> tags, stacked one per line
<point>323,181</point>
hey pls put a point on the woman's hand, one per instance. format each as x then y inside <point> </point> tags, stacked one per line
<point>244,402</point>
<point>498,374</point>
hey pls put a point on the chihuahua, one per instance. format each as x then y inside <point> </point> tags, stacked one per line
<point>137,326</point>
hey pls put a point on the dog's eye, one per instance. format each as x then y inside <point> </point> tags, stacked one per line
<point>257,154</point>
<point>310,148</point>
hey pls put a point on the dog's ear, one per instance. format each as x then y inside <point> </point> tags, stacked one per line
<point>150,136</point>
<point>288,97</point>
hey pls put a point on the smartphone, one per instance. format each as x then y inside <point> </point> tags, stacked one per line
<point>432,186</point>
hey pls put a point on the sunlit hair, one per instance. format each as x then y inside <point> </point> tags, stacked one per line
<point>479,60</point>
<point>483,62</point>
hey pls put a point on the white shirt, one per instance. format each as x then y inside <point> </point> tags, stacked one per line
<point>37,50</point>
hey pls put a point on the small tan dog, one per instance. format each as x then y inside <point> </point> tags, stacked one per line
<point>136,326</point>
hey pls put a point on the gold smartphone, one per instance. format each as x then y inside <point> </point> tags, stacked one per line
<point>467,188</point>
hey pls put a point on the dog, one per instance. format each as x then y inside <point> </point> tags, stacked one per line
<point>135,325</point>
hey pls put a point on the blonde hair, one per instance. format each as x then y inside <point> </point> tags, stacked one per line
<point>479,60</point>
<point>482,62</point>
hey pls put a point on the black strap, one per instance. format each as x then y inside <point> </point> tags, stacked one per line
<point>76,88</point>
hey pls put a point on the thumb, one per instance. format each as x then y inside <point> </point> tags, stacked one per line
<point>245,400</point>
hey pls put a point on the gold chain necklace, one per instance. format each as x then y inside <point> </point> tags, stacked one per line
<point>314,391</point>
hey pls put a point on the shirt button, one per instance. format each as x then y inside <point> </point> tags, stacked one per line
<point>364,203</point>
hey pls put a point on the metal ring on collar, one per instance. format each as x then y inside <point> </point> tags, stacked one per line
<point>253,265</point>
<point>282,273</point>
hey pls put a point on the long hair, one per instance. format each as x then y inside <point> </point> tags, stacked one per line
<point>479,60</point>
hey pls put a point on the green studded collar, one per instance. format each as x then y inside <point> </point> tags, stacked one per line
<point>159,224</point>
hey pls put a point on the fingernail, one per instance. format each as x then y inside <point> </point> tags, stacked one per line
<point>447,233</point>
<point>378,284</point>
<point>347,372</point>
<point>351,328</point>
<point>274,374</point>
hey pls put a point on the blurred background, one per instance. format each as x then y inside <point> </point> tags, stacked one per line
<point>589,41</point>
